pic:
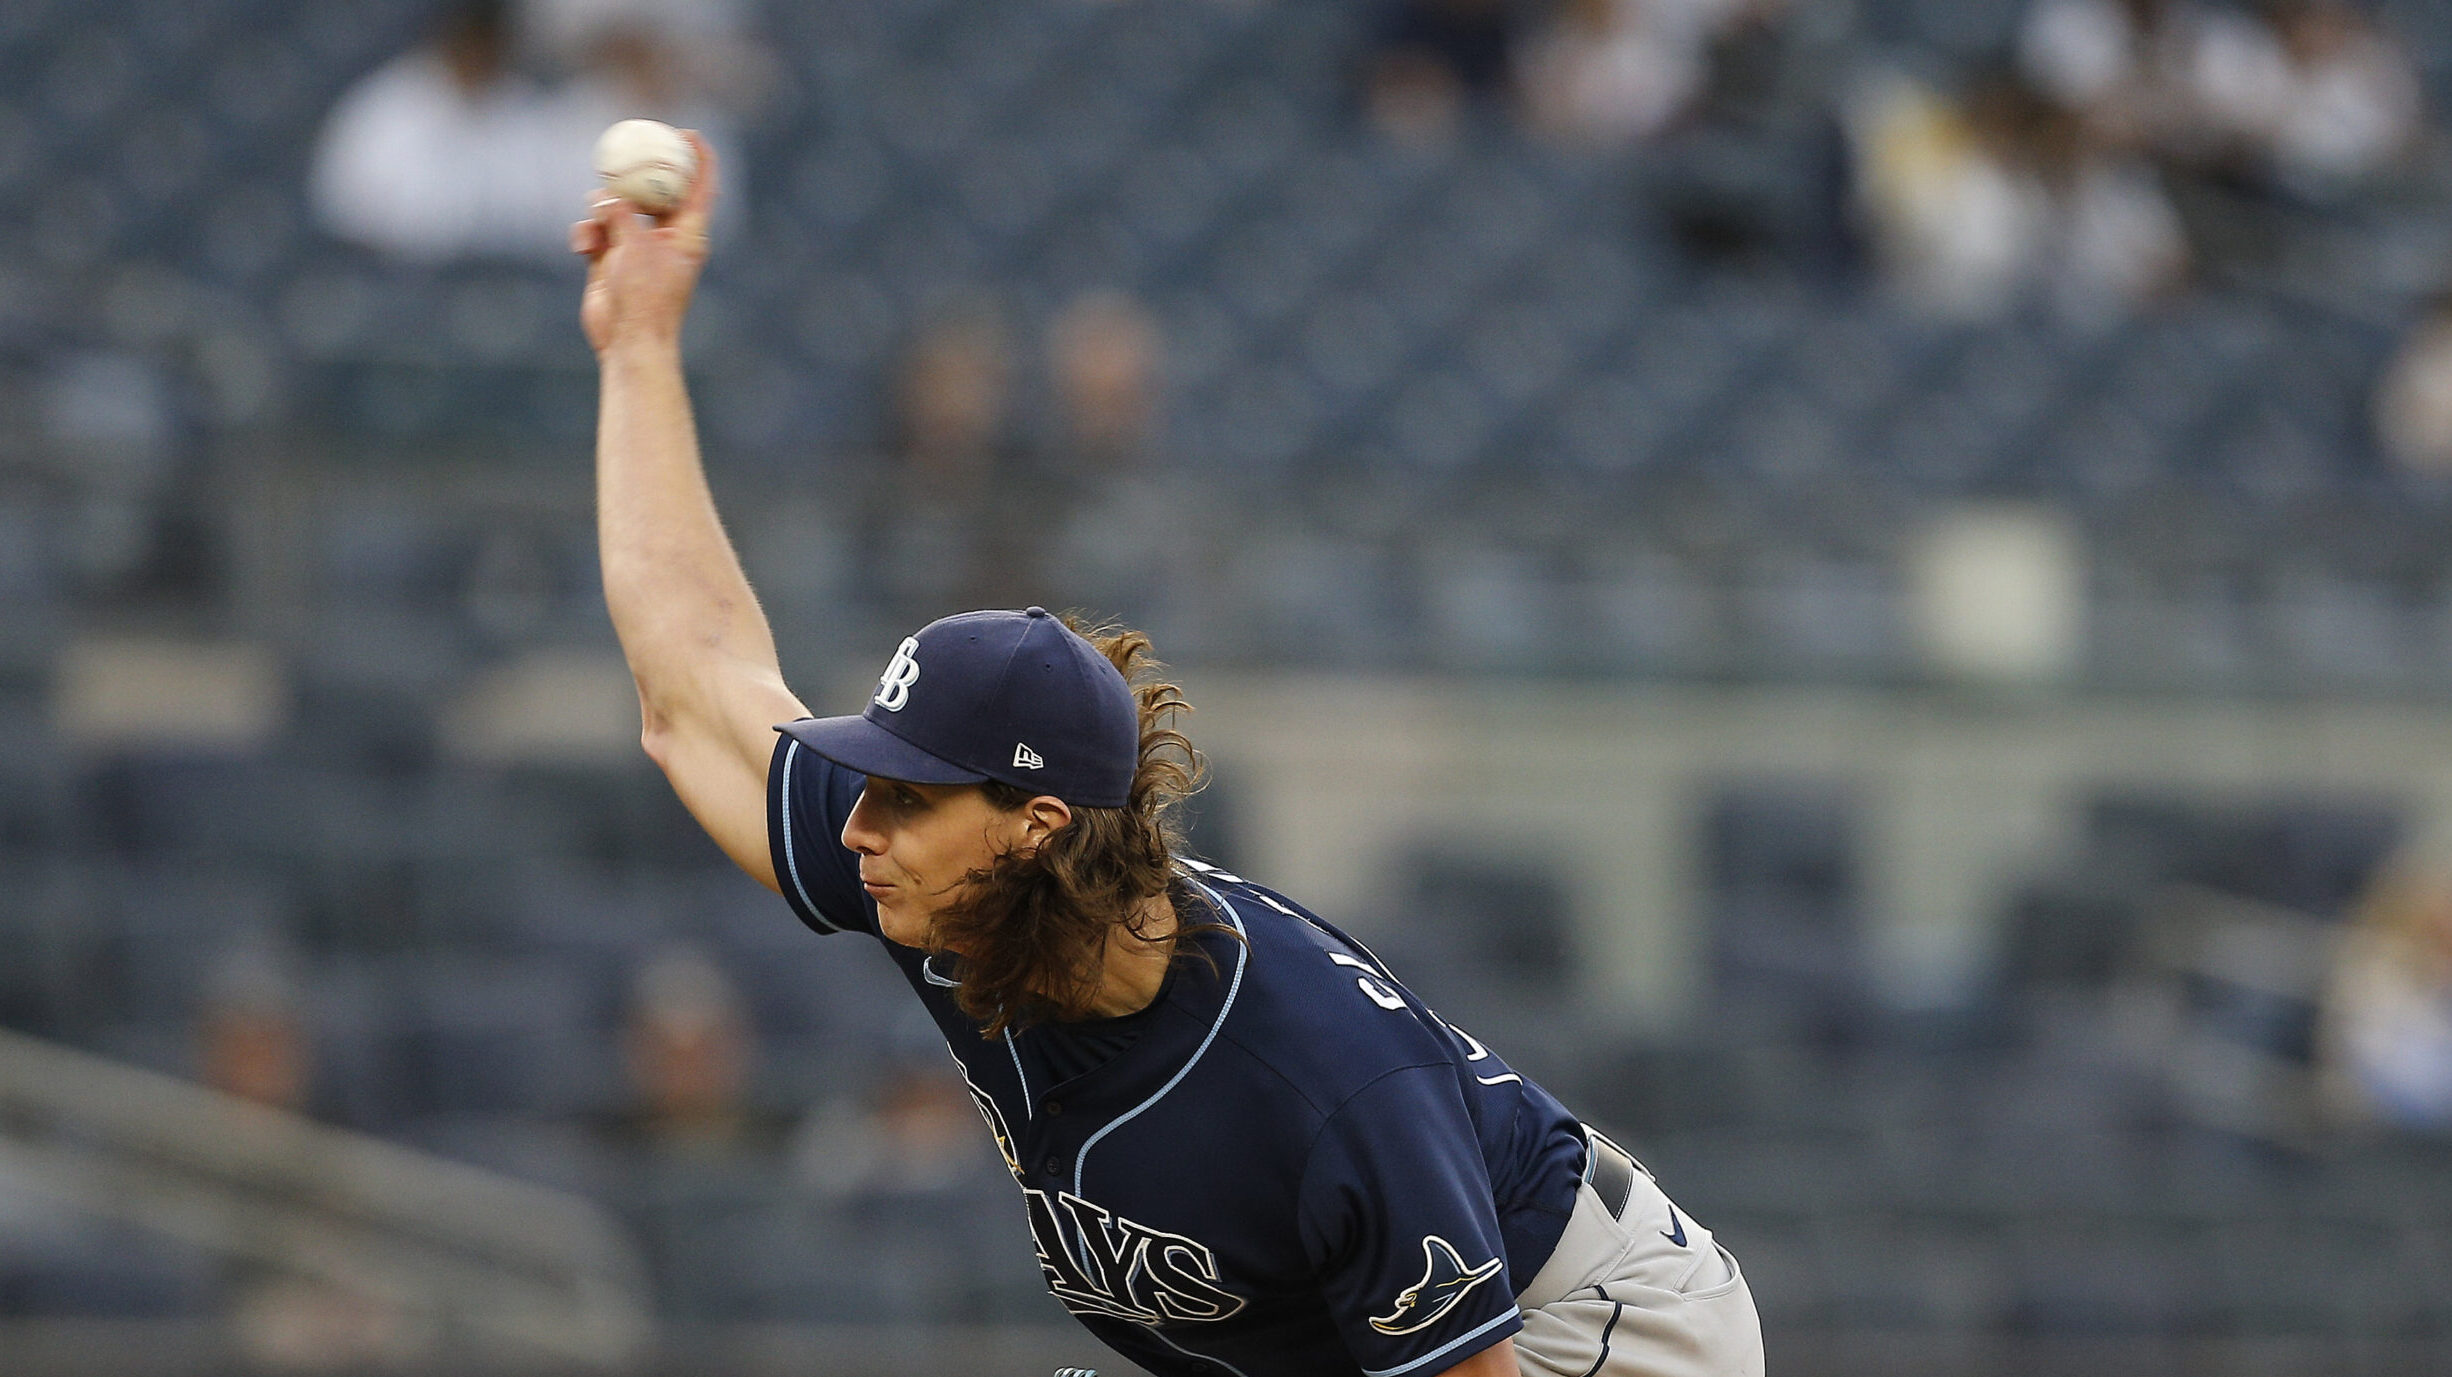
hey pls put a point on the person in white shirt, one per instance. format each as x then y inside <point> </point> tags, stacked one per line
<point>2313,93</point>
<point>448,152</point>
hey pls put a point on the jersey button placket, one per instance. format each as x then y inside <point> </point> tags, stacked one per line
<point>1053,1108</point>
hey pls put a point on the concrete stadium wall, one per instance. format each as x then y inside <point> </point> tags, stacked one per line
<point>1333,778</point>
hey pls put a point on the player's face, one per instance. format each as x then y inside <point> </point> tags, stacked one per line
<point>919,844</point>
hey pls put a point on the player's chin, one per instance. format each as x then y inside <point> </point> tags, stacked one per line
<point>900,926</point>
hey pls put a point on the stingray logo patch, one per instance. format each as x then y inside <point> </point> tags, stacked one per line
<point>1445,1280</point>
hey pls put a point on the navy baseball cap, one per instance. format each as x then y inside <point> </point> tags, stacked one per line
<point>1017,697</point>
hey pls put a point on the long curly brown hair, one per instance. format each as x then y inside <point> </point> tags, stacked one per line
<point>1032,927</point>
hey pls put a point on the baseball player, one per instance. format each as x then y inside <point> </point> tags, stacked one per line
<point>1243,1146</point>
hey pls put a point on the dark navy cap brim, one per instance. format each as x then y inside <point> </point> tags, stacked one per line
<point>859,745</point>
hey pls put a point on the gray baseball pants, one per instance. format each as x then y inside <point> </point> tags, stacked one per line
<point>1641,1292</point>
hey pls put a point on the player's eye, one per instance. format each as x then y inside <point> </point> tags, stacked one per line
<point>901,798</point>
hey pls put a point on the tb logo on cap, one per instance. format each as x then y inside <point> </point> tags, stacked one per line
<point>901,673</point>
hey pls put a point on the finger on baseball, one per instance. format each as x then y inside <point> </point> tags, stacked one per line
<point>587,237</point>
<point>616,219</point>
<point>699,200</point>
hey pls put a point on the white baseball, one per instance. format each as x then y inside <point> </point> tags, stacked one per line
<point>646,163</point>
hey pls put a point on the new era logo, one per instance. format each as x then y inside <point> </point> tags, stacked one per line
<point>1025,758</point>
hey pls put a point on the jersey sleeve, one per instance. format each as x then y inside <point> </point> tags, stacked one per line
<point>808,797</point>
<point>1398,1222</point>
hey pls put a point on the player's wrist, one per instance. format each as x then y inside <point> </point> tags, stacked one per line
<point>641,346</point>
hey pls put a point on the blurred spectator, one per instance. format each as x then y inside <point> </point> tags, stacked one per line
<point>253,1042</point>
<point>960,514</point>
<point>2120,64</point>
<point>916,1132</point>
<point>630,70</point>
<point>1604,70</point>
<point>688,1051</point>
<point>2413,407</point>
<point>1434,60</point>
<point>2111,239</point>
<point>448,151</point>
<point>1952,228</point>
<point>2311,95</point>
<point>294,1324</point>
<point>252,1038</point>
<point>2387,1040</point>
<point>113,421</point>
<point>1973,210</point>
<point>1103,358</point>
<point>1754,171</point>
<point>681,64</point>
<point>1123,552</point>
<point>914,1186</point>
<point>1609,70</point>
<point>700,42</point>
<point>2355,105</point>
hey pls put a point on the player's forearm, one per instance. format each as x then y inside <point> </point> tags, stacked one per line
<point>678,596</point>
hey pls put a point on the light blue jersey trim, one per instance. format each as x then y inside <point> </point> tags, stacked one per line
<point>1243,956</point>
<point>1444,1349</point>
<point>791,864</point>
<point>1029,1110</point>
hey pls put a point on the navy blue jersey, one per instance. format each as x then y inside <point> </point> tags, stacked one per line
<point>1295,1170</point>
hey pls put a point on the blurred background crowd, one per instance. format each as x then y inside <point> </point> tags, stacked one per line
<point>1932,383</point>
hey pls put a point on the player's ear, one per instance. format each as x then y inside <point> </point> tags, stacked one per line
<point>1042,818</point>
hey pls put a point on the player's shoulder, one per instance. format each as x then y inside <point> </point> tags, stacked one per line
<point>1314,1006</point>
<point>1272,923</point>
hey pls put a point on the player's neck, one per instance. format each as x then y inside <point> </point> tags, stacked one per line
<point>1136,966</point>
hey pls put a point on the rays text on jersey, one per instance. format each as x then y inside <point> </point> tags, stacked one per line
<point>1098,1263</point>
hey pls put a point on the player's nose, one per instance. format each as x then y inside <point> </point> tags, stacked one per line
<point>860,832</point>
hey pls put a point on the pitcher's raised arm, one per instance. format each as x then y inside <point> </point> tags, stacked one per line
<point>710,690</point>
